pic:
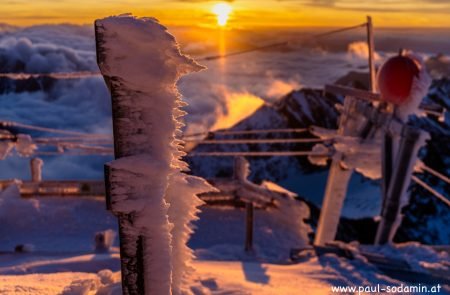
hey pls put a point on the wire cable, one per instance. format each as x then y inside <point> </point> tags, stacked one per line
<point>50,130</point>
<point>315,36</point>
<point>434,172</point>
<point>59,76</point>
<point>253,141</point>
<point>243,132</point>
<point>431,190</point>
<point>258,154</point>
<point>70,153</point>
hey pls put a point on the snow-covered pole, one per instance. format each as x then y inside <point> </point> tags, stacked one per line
<point>241,173</point>
<point>403,82</point>
<point>249,224</point>
<point>36,169</point>
<point>350,124</point>
<point>411,141</point>
<point>145,187</point>
<point>387,164</point>
<point>131,243</point>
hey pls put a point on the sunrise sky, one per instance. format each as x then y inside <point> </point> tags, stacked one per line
<point>244,14</point>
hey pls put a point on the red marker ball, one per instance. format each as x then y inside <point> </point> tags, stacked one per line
<point>396,77</point>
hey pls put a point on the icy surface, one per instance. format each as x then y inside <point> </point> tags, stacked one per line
<point>364,157</point>
<point>221,233</point>
<point>51,224</point>
<point>222,266</point>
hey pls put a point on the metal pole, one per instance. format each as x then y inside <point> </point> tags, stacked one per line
<point>409,145</point>
<point>249,208</point>
<point>387,160</point>
<point>131,243</point>
<point>333,202</point>
<point>241,173</point>
<point>351,123</point>
<point>371,47</point>
<point>36,169</point>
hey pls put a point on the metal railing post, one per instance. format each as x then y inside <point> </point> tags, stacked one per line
<point>371,48</point>
<point>410,142</point>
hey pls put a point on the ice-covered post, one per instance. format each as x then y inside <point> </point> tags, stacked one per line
<point>350,124</point>
<point>411,141</point>
<point>36,169</point>
<point>371,47</point>
<point>403,82</point>
<point>154,201</point>
<point>249,224</point>
<point>241,172</point>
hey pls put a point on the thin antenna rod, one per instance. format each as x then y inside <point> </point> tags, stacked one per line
<point>371,47</point>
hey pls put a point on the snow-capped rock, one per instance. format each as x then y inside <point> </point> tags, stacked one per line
<point>426,219</point>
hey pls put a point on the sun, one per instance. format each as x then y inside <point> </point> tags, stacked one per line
<point>222,11</point>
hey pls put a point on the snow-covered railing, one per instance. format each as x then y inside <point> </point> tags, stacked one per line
<point>265,196</point>
<point>366,114</point>
<point>57,188</point>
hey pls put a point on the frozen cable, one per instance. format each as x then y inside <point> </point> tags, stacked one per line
<point>51,130</point>
<point>422,166</point>
<point>258,154</point>
<point>254,131</point>
<point>311,37</point>
<point>431,190</point>
<point>85,147</point>
<point>72,75</point>
<point>64,153</point>
<point>89,140</point>
<point>251,141</point>
<point>72,145</point>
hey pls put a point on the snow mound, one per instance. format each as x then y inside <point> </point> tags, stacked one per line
<point>220,233</point>
<point>51,224</point>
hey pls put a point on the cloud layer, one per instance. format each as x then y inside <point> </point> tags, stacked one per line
<point>216,96</point>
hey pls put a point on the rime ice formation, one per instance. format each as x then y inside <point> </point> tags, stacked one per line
<point>419,90</point>
<point>5,149</point>
<point>141,62</point>
<point>24,145</point>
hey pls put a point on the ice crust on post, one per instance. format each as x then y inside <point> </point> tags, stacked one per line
<point>141,63</point>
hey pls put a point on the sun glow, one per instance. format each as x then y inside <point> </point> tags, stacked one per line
<point>222,11</point>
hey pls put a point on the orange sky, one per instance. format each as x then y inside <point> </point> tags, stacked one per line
<point>245,14</point>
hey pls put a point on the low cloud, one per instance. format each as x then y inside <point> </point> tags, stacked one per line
<point>197,1</point>
<point>219,97</point>
<point>238,106</point>
<point>360,49</point>
<point>279,88</point>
